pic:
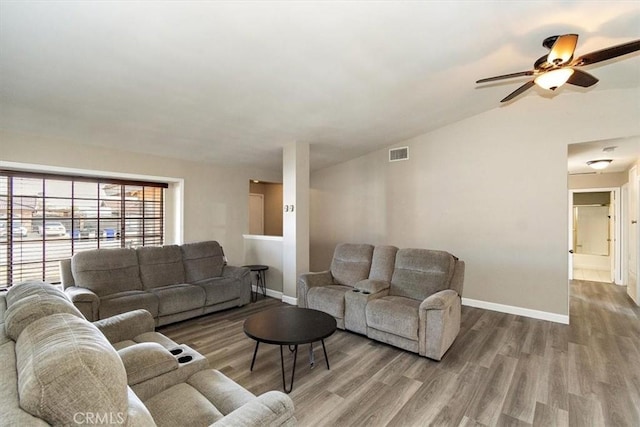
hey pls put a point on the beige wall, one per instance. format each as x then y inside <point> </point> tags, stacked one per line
<point>215,198</point>
<point>491,189</point>
<point>272,206</point>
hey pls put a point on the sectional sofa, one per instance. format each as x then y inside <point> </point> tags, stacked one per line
<point>60,369</point>
<point>409,298</point>
<point>171,282</point>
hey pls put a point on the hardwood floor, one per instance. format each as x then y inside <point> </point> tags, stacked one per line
<point>502,369</point>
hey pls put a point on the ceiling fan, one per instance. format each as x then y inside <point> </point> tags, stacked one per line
<point>558,67</point>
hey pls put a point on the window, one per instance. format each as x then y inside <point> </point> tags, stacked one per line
<point>46,218</point>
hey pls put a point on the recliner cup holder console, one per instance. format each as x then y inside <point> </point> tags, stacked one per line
<point>185,359</point>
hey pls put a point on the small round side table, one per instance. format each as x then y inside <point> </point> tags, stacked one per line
<point>261,281</point>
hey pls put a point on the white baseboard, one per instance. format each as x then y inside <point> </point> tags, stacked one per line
<point>278,295</point>
<point>290,300</point>
<point>520,311</point>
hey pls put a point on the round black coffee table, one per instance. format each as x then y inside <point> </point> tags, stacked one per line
<point>290,326</point>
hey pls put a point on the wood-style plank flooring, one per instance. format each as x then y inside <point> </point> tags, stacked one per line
<point>502,369</point>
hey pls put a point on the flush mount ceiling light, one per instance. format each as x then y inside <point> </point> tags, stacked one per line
<point>599,164</point>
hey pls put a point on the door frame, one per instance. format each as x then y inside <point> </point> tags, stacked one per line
<point>618,218</point>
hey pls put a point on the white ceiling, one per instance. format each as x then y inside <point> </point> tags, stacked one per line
<point>231,82</point>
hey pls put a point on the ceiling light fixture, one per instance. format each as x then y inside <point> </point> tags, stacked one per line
<point>599,164</point>
<point>553,79</point>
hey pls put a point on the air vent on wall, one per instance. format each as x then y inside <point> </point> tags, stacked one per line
<point>397,154</point>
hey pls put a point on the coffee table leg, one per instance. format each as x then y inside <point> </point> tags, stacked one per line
<point>255,352</point>
<point>312,360</point>
<point>326,359</point>
<point>293,371</point>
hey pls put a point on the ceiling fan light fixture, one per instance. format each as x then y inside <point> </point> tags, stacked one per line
<point>552,80</point>
<point>599,164</point>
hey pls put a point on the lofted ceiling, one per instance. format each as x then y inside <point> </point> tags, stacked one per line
<point>232,82</point>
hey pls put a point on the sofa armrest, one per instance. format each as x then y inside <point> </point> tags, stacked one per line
<point>147,360</point>
<point>85,300</point>
<point>235,272</point>
<point>272,408</point>
<point>372,286</point>
<point>126,326</point>
<point>439,300</point>
<point>309,280</point>
<point>439,323</point>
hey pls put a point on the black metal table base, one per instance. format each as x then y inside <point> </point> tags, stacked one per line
<point>293,350</point>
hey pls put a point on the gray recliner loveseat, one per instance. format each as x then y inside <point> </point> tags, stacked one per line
<point>171,282</point>
<point>409,298</point>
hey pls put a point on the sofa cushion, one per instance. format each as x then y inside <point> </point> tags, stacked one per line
<point>128,301</point>
<point>225,394</point>
<point>160,266</point>
<point>27,310</point>
<point>419,273</point>
<point>395,315</point>
<point>107,271</point>
<point>382,263</point>
<point>351,263</point>
<point>182,405</point>
<point>178,298</point>
<point>220,289</point>
<point>202,260</point>
<point>329,299</point>
<point>66,367</point>
<point>25,289</point>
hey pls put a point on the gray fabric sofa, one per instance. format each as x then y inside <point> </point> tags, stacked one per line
<point>409,298</point>
<point>171,282</point>
<point>60,369</point>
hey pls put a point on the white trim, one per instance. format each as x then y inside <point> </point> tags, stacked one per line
<point>289,300</point>
<point>259,237</point>
<point>278,295</point>
<point>519,311</point>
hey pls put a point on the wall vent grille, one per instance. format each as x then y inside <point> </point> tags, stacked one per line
<point>397,154</point>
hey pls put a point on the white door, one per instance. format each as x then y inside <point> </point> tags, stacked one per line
<point>632,284</point>
<point>256,214</point>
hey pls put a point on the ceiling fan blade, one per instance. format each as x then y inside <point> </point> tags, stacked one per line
<point>518,91</point>
<point>562,50</point>
<point>608,53</point>
<point>582,79</point>
<point>506,76</point>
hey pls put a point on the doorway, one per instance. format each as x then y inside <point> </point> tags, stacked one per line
<point>594,233</point>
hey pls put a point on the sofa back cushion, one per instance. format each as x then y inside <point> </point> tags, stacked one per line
<point>27,310</point>
<point>107,271</point>
<point>25,289</point>
<point>202,260</point>
<point>384,258</point>
<point>419,273</point>
<point>67,371</point>
<point>160,266</point>
<point>351,263</point>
